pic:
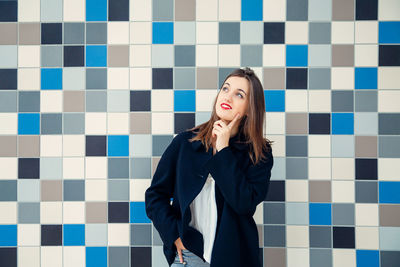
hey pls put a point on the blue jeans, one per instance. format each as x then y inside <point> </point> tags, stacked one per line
<point>189,260</point>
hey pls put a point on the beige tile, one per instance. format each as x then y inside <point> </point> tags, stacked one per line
<point>140,123</point>
<point>389,215</point>
<point>185,10</point>
<point>29,33</point>
<point>320,191</point>
<point>74,101</point>
<point>8,33</point>
<point>366,146</point>
<point>96,212</point>
<point>274,257</point>
<point>28,146</point>
<point>296,123</point>
<point>51,190</point>
<point>118,56</point>
<point>343,9</point>
<point>207,78</point>
<point>8,146</point>
<point>274,78</point>
<point>342,55</point>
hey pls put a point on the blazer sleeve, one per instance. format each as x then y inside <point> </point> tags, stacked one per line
<point>158,195</point>
<point>242,190</point>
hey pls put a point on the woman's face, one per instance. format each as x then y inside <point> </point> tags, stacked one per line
<point>233,98</point>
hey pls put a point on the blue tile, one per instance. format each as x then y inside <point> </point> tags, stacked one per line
<point>74,234</point>
<point>274,100</point>
<point>389,192</point>
<point>185,100</point>
<point>389,32</point>
<point>138,213</point>
<point>96,256</point>
<point>8,235</point>
<point>118,145</point>
<point>320,214</point>
<point>367,258</point>
<point>51,79</point>
<point>28,123</point>
<point>252,10</point>
<point>296,55</point>
<point>163,32</point>
<point>96,10</point>
<point>366,78</point>
<point>342,123</point>
<point>96,56</point>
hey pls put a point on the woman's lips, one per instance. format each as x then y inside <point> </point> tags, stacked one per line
<point>225,106</point>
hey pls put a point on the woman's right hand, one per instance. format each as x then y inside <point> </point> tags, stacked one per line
<point>179,247</point>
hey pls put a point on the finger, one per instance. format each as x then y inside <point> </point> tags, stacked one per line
<point>235,119</point>
<point>180,256</point>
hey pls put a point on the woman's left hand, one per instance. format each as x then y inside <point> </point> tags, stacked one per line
<point>222,132</point>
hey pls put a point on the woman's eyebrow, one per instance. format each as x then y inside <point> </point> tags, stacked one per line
<point>238,89</point>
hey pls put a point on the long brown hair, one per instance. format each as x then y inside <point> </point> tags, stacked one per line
<point>250,127</point>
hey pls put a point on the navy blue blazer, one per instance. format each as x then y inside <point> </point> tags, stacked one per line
<point>240,186</point>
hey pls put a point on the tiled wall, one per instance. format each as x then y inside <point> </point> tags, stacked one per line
<point>92,92</point>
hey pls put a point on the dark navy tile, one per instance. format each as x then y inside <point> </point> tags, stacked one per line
<point>8,255</point>
<point>118,10</point>
<point>274,32</point>
<point>183,121</point>
<point>74,56</point>
<point>343,237</point>
<point>51,235</point>
<point>366,9</point>
<point>276,191</point>
<point>296,78</point>
<point>118,212</point>
<point>140,100</point>
<point>319,123</point>
<point>366,169</point>
<point>141,257</point>
<point>8,10</point>
<point>162,78</point>
<point>8,78</point>
<point>51,33</point>
<point>28,168</point>
<point>96,145</point>
<point>389,55</point>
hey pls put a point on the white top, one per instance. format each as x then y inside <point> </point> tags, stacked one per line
<point>204,215</point>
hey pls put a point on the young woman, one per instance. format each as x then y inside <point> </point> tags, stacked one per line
<point>216,173</point>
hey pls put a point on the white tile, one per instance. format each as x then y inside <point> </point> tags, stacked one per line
<point>140,10</point>
<point>229,10</point>
<point>28,10</point>
<point>51,256</point>
<point>73,168</point>
<point>73,212</point>
<point>274,10</point>
<point>51,145</point>
<point>138,188</point>
<point>74,10</point>
<point>96,168</point>
<point>342,32</point>
<point>118,32</point>
<point>207,10</point>
<point>388,78</point>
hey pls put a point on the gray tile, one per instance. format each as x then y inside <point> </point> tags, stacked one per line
<point>118,256</point>
<point>222,74</point>
<point>50,168</point>
<point>296,146</point>
<point>118,101</point>
<point>118,168</point>
<point>8,190</point>
<point>251,32</point>
<point>297,213</point>
<point>319,78</point>
<point>343,214</point>
<point>389,146</point>
<point>51,123</point>
<point>389,238</point>
<point>157,241</point>
<point>342,146</point>
<point>74,123</point>
<point>274,235</point>
<point>389,258</point>
<point>319,32</point>
<point>389,123</point>
<point>366,192</point>
<point>96,234</point>
<point>320,236</point>
<point>8,55</point>
<point>28,101</point>
<point>8,101</point>
<point>74,33</point>
<point>319,10</point>
<point>51,56</point>
<point>185,55</point>
<point>140,145</point>
<point>366,123</point>
<point>160,143</point>
<point>118,190</point>
<point>96,78</point>
<point>96,101</point>
<point>163,10</point>
<point>297,10</point>
<point>74,190</point>
<point>251,55</point>
<point>28,190</point>
<point>342,101</point>
<point>96,33</point>
<point>140,235</point>
<point>320,257</point>
<point>274,213</point>
<point>296,168</point>
<point>162,55</point>
<point>28,212</point>
<point>74,78</point>
<point>51,10</point>
<point>157,257</point>
<point>229,32</point>
<point>141,168</point>
<point>184,78</point>
<point>365,101</point>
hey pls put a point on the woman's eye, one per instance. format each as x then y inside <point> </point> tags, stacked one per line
<point>225,88</point>
<point>240,95</point>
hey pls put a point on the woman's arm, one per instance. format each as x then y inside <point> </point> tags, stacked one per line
<point>242,191</point>
<point>158,195</point>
